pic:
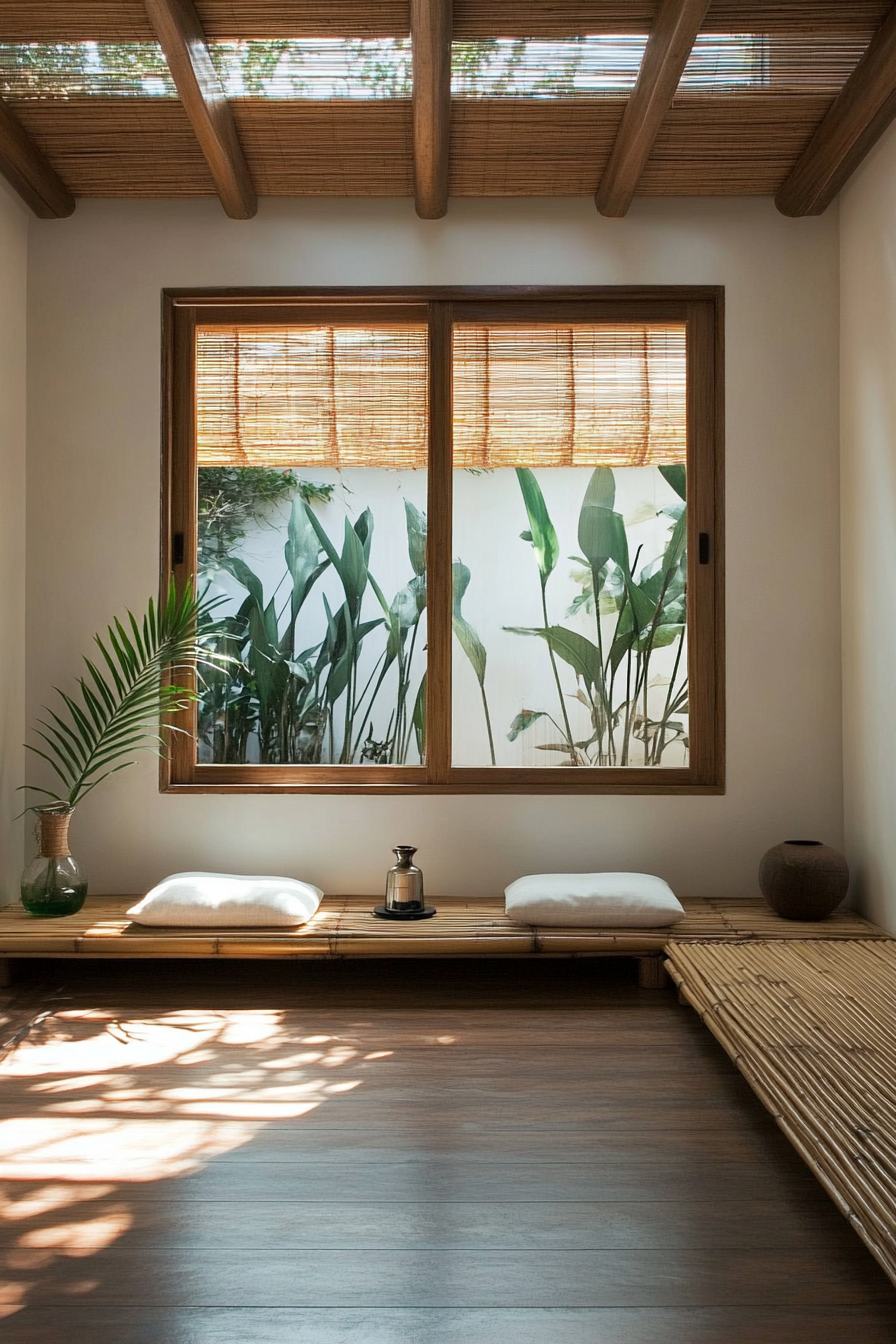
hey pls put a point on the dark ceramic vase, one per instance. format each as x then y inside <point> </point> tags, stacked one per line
<point>803,879</point>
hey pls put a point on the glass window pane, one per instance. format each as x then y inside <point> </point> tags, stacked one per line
<point>322,568</point>
<point>570,607</point>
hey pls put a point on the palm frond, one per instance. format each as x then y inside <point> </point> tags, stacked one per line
<point>121,702</point>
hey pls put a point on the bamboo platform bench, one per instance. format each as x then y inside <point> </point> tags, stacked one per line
<point>345,927</point>
<point>812,1027</point>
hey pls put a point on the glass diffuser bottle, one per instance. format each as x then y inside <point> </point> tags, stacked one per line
<point>404,889</point>
<point>54,884</point>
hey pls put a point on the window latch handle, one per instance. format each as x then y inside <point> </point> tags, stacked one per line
<point>703,548</point>
<point>177,549</point>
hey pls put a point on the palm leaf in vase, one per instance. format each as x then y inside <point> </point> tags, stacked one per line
<point>125,698</point>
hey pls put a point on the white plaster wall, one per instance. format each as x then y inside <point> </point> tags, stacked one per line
<point>93,522</point>
<point>13,312</point>
<point>868,389</point>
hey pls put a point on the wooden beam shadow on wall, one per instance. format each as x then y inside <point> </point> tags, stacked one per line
<point>859,115</point>
<point>28,171</point>
<point>672,36</point>
<point>431,30</point>
<point>183,42</point>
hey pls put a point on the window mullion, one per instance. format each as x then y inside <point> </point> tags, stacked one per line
<point>438,565</point>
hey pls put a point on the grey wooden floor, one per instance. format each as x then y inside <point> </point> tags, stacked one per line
<point>382,1153</point>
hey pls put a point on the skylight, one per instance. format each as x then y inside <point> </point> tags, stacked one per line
<point>570,67</point>
<point>84,69</point>
<point>323,68</point>
<point>332,67</point>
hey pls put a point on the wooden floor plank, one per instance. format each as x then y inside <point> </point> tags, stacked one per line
<point>497,1153</point>
<point>632,1277</point>
<point>280,1225</point>
<point>741,1325</point>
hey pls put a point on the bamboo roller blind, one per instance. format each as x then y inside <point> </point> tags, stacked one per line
<point>572,395</point>
<point>312,396</point>
<point>542,395</point>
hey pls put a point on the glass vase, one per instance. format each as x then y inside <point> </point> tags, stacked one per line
<point>55,883</point>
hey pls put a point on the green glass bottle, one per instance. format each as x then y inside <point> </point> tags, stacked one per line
<point>55,883</point>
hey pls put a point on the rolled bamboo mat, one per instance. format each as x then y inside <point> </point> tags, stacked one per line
<point>812,1027</point>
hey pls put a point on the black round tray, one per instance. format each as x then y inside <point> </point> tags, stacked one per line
<point>426,913</point>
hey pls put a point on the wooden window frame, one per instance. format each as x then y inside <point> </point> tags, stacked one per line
<point>700,307</point>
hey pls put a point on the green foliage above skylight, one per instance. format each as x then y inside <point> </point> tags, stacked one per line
<point>84,69</point>
<point>323,68</point>
<point>332,67</point>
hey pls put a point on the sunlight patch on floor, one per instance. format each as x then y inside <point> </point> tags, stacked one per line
<point>98,1102</point>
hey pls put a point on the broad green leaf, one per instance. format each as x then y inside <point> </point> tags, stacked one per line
<point>641,513</point>
<point>582,656</point>
<point>621,644</point>
<point>404,607</point>
<point>326,544</point>
<point>544,538</point>
<point>524,720</point>
<point>301,551</point>
<point>573,648</point>
<point>466,635</point>
<point>419,718</point>
<point>640,604</point>
<point>364,628</point>
<point>663,636</point>
<point>337,681</point>
<point>601,489</point>
<point>676,545</point>
<point>409,603</point>
<point>602,537</point>
<point>364,531</point>
<point>244,575</point>
<point>676,476</point>
<point>354,569</point>
<point>416,525</point>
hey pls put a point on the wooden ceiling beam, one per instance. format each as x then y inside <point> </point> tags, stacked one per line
<point>29,173</point>
<point>859,115</point>
<point>669,45</point>
<point>183,41</point>
<point>431,31</point>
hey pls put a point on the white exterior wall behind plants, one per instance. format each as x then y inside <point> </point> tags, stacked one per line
<point>13,292</point>
<point>95,282</point>
<point>504,591</point>
<point>868,475</point>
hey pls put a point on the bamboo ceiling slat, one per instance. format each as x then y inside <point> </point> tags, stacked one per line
<point>140,147</point>
<point>730,146</point>
<point>74,21</point>
<point>796,16</point>
<point>223,19</point>
<point>569,18</point>
<point>344,926</point>
<point>338,148</point>
<point>812,1027</point>
<point>550,18</point>
<point>125,20</point>
<point>527,147</point>
<point>522,147</point>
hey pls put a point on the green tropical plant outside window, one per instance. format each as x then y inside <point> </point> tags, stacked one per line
<point>559,604</point>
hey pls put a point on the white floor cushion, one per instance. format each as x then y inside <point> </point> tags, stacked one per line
<point>227,900</point>
<point>597,900</point>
